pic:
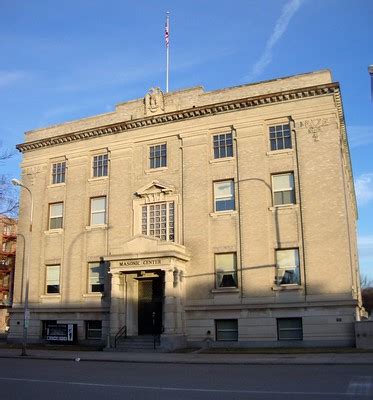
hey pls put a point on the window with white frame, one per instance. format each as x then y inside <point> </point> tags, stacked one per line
<point>58,172</point>
<point>287,267</point>
<point>158,220</point>
<point>224,195</point>
<point>223,145</point>
<point>226,329</point>
<point>93,329</point>
<point>53,279</point>
<point>158,156</point>
<point>283,189</point>
<point>289,329</point>
<point>100,165</point>
<point>280,137</point>
<point>55,216</point>
<point>96,277</point>
<point>98,210</point>
<point>226,270</point>
<point>8,230</point>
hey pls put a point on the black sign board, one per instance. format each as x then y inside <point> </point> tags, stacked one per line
<point>61,333</point>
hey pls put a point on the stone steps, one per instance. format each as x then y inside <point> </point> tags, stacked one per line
<point>137,344</point>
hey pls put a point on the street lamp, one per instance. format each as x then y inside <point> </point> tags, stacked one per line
<point>26,311</point>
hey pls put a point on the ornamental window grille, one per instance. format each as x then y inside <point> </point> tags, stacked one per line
<point>158,220</point>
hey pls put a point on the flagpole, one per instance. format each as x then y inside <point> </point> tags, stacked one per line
<point>167,33</point>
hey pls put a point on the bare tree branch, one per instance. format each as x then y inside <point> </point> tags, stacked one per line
<point>365,282</point>
<point>8,195</point>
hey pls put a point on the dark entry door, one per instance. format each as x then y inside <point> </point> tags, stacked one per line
<point>150,301</point>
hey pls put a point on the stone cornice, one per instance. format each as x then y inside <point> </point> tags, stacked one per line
<point>345,149</point>
<point>190,113</point>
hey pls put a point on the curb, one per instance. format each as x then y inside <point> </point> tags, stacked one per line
<point>195,362</point>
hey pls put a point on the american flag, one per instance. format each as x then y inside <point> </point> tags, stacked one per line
<point>166,32</point>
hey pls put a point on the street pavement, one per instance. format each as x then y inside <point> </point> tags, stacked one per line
<point>42,379</point>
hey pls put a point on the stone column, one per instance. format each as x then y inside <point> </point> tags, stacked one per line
<point>174,335</point>
<point>169,321</point>
<point>115,304</point>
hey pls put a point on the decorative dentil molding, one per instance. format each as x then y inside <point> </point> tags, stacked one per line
<point>190,113</point>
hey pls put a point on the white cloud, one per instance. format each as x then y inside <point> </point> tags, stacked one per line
<point>10,77</point>
<point>360,135</point>
<point>364,188</point>
<point>365,244</point>
<point>282,23</point>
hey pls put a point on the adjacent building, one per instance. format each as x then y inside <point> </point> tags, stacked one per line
<point>8,239</point>
<point>223,217</point>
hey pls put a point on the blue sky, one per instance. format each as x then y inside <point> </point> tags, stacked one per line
<point>63,60</point>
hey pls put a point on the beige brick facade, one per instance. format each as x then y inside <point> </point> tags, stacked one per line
<point>214,207</point>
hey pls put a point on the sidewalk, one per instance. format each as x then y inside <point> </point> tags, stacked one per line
<point>195,358</point>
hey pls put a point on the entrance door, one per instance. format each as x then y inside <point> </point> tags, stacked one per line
<point>150,306</point>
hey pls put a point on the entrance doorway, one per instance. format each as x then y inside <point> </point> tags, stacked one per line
<point>150,305</point>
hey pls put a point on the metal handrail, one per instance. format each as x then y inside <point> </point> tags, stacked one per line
<point>157,338</point>
<point>122,332</point>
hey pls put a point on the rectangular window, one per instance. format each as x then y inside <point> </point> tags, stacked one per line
<point>226,270</point>
<point>224,195</point>
<point>289,329</point>
<point>223,145</point>
<point>96,277</point>
<point>158,156</point>
<point>53,279</point>
<point>158,220</point>
<point>100,165</point>
<point>280,137</point>
<point>93,329</point>
<point>283,189</point>
<point>98,210</point>
<point>55,216</point>
<point>8,230</point>
<point>7,247</point>
<point>58,172</point>
<point>287,263</point>
<point>226,329</point>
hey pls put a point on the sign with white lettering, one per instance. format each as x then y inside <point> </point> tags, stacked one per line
<point>27,318</point>
<point>60,333</point>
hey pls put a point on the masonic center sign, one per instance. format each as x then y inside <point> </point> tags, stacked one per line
<point>140,263</point>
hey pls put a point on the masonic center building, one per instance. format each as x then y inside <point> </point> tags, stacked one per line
<point>220,218</point>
